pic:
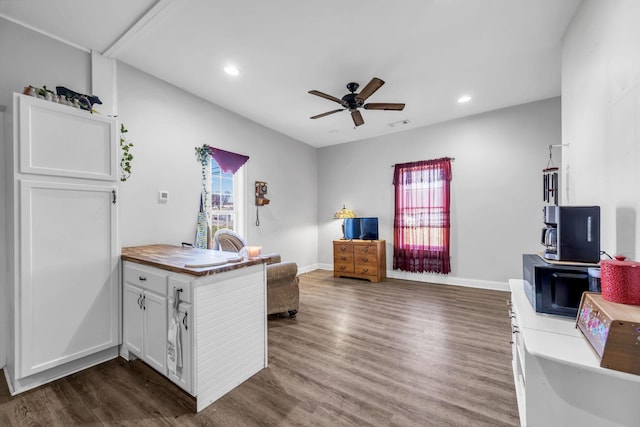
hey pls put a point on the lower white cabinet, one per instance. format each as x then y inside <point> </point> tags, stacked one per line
<point>558,378</point>
<point>219,350</point>
<point>145,316</point>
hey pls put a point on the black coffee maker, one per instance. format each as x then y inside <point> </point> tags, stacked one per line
<point>571,233</point>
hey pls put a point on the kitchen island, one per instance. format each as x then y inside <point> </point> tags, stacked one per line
<point>196,316</point>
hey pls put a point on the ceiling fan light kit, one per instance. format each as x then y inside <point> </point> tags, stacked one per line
<point>353,101</point>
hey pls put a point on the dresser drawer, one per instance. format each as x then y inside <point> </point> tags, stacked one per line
<point>366,269</point>
<point>346,258</point>
<point>342,267</point>
<point>366,250</point>
<point>342,248</point>
<point>370,260</point>
<point>145,277</point>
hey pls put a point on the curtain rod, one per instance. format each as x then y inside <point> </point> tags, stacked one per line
<point>453,159</point>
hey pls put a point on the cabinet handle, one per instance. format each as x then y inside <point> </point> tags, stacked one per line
<point>341,267</point>
<point>366,250</point>
<point>365,270</point>
<point>365,259</point>
<point>515,330</point>
<point>140,301</point>
<point>144,303</point>
<point>184,320</point>
<point>343,249</point>
<point>113,194</point>
<point>343,258</point>
<point>142,278</point>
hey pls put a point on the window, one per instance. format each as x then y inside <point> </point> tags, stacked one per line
<point>222,180</point>
<point>222,192</point>
<point>422,217</point>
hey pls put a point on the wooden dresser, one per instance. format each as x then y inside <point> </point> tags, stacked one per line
<point>363,259</point>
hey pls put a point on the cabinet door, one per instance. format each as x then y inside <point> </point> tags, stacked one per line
<point>155,331</point>
<point>133,320</point>
<point>64,141</point>
<point>68,304</point>
<point>183,374</point>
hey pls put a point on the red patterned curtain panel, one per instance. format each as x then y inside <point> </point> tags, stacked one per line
<point>422,216</point>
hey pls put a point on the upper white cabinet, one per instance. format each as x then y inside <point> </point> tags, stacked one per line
<point>60,140</point>
<point>63,243</point>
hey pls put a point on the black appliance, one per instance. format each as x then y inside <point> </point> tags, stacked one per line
<point>554,287</point>
<point>571,233</point>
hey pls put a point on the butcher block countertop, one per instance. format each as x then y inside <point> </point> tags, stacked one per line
<point>193,261</point>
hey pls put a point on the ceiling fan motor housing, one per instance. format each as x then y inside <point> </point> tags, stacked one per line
<point>351,101</point>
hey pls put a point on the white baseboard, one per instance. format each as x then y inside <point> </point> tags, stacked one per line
<point>449,280</point>
<point>436,278</point>
<point>309,268</point>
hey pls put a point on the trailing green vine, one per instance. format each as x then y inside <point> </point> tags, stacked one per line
<point>126,156</point>
<point>203,155</point>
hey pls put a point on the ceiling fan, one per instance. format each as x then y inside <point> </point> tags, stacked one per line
<point>352,101</point>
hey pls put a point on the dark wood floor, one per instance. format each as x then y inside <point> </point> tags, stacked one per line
<point>395,353</point>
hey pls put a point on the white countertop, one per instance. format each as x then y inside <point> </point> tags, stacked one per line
<point>555,337</point>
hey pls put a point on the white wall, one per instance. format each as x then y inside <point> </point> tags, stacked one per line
<point>166,124</point>
<point>496,198</point>
<point>601,118</point>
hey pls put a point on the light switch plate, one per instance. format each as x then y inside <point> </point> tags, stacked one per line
<point>163,196</point>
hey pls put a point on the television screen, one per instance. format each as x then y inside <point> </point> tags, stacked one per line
<point>361,228</point>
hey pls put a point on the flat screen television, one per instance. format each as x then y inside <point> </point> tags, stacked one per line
<point>361,228</point>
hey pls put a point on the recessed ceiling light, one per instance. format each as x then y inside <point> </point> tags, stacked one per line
<point>398,123</point>
<point>232,70</point>
<point>463,99</point>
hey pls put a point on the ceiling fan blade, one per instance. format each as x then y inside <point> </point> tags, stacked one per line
<point>324,95</point>
<point>370,88</point>
<point>383,106</point>
<point>357,118</point>
<point>326,114</point>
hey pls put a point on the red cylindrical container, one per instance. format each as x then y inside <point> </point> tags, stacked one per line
<point>620,281</point>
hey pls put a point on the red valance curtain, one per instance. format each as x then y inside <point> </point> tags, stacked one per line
<point>422,216</point>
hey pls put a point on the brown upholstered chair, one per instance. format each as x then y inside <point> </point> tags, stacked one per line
<point>283,294</point>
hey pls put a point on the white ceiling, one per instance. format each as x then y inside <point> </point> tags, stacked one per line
<point>429,52</point>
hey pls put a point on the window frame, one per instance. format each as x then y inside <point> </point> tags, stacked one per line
<point>238,195</point>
